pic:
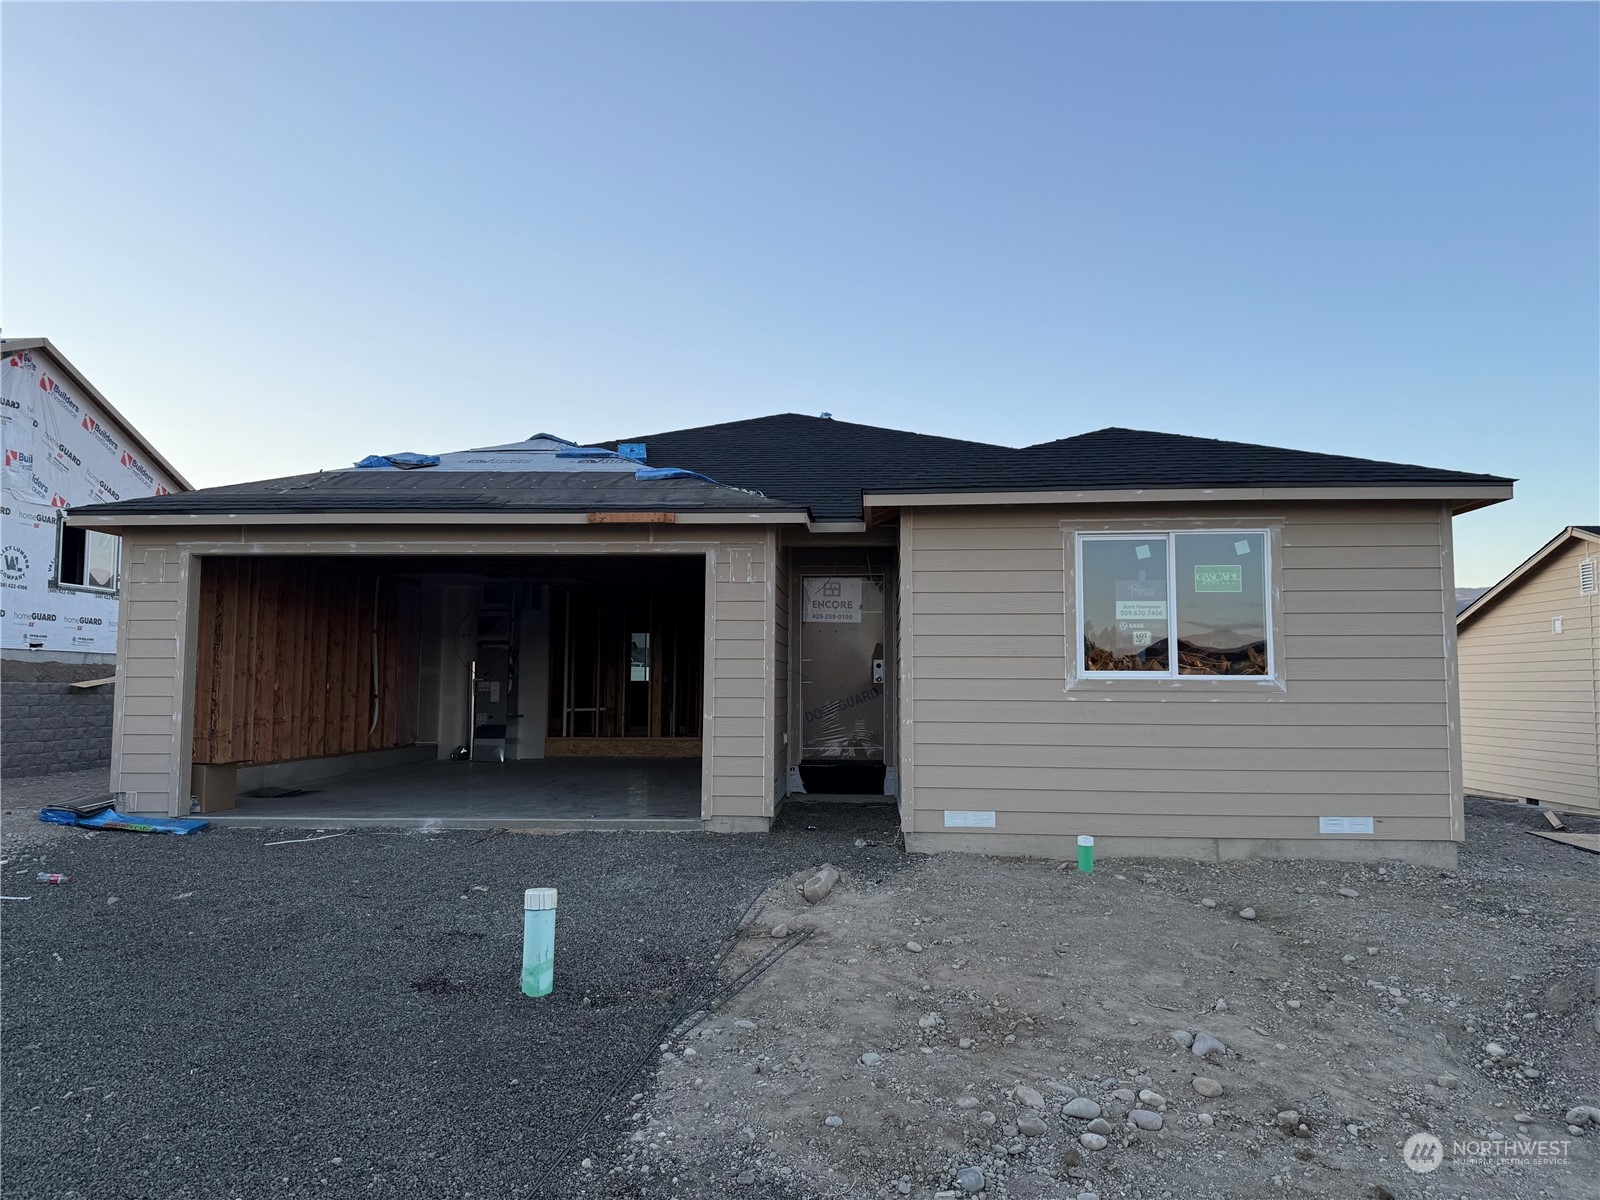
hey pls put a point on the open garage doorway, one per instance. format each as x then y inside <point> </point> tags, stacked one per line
<point>478,690</point>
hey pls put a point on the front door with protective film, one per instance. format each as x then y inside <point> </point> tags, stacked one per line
<point>842,673</point>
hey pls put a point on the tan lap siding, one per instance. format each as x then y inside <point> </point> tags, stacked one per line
<point>741,673</point>
<point>780,672</point>
<point>1528,703</point>
<point>1359,728</point>
<point>152,721</point>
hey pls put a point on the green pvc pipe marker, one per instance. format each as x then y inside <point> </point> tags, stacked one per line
<point>538,941</point>
<point>1085,853</point>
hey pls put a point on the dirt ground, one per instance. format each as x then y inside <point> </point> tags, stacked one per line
<point>1459,1003</point>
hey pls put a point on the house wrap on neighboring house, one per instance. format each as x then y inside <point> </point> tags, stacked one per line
<point>1530,678</point>
<point>64,445</point>
<point>1174,644</point>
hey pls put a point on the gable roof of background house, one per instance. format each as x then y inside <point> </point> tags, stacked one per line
<point>81,382</point>
<point>1492,596</point>
<point>828,465</point>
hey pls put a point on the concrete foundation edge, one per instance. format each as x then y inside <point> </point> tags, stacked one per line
<point>1065,846</point>
<point>736,824</point>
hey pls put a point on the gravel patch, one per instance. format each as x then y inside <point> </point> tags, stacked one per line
<point>215,1017</point>
<point>20,826</point>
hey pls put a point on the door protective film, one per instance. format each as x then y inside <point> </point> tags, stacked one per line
<point>842,666</point>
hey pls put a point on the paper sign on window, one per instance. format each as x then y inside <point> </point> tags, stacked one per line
<point>833,601</point>
<point>1141,612</point>
<point>1226,578</point>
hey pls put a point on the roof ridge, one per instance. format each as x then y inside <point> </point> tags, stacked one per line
<point>932,437</point>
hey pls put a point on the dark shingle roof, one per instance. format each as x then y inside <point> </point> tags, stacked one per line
<point>428,490</point>
<point>821,463</point>
<point>827,464</point>
<point>790,462</point>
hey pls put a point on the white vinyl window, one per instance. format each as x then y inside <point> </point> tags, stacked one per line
<point>1164,605</point>
<point>87,559</point>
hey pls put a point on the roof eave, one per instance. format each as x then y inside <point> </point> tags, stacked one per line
<point>1461,497</point>
<point>108,519</point>
<point>1487,601</point>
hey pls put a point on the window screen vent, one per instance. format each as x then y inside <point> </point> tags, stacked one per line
<point>1588,583</point>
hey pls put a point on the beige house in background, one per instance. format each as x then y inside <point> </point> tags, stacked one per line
<point>1530,678</point>
<point>1176,645</point>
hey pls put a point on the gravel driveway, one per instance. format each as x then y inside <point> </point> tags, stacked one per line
<point>216,1017</point>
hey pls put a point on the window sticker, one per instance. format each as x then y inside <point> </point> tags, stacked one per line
<point>1241,547</point>
<point>1227,577</point>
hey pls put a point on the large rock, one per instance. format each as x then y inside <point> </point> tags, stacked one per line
<point>819,885</point>
<point>1145,1119</point>
<point>1205,1045</point>
<point>1083,1108</point>
<point>970,1179</point>
<point>1027,1097</point>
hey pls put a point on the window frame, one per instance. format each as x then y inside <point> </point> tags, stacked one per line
<point>1078,673</point>
<point>66,586</point>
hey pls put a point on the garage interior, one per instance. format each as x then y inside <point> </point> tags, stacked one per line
<point>464,689</point>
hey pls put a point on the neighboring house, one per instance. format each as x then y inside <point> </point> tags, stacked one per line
<point>65,445</point>
<point>1174,644</point>
<point>1530,678</point>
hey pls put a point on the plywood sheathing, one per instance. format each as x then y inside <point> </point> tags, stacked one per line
<point>284,662</point>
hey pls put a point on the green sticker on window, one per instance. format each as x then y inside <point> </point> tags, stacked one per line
<point>1226,578</point>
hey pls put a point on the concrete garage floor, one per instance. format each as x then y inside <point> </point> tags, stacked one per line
<point>561,793</point>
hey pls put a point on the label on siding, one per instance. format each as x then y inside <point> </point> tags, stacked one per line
<point>958,818</point>
<point>832,600</point>
<point>1344,824</point>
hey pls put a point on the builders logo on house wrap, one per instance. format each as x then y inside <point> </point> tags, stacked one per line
<point>20,459</point>
<point>831,600</point>
<point>14,564</point>
<point>130,463</point>
<point>47,384</point>
<point>99,431</point>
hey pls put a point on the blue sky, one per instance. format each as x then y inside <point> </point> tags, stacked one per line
<point>281,237</point>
